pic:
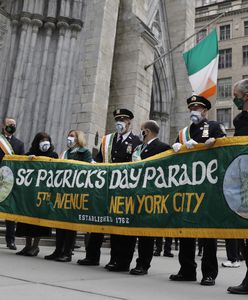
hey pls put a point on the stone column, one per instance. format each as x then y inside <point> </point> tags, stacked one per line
<point>42,93</point>
<point>63,26</point>
<point>6,84</point>
<point>49,26</point>
<point>52,8</point>
<point>36,23</point>
<point>97,48</point>
<point>13,107</point>
<point>131,85</point>
<point>26,4</point>
<point>180,12</point>
<point>65,8</point>
<point>64,73</point>
<point>69,87</point>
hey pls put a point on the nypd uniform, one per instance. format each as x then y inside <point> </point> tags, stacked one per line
<point>205,130</point>
<point>120,149</point>
<point>200,132</point>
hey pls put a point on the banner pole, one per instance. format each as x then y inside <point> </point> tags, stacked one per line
<point>184,41</point>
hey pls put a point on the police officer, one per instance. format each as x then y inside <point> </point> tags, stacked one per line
<point>240,123</point>
<point>116,147</point>
<point>200,131</point>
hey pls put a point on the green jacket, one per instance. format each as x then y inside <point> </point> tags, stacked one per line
<point>82,154</point>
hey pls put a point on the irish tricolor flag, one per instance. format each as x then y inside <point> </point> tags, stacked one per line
<point>202,66</point>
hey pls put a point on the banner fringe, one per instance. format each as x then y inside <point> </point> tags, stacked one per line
<point>222,233</point>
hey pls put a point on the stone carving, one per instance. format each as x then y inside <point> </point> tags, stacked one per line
<point>3,31</point>
<point>3,26</point>
<point>2,4</point>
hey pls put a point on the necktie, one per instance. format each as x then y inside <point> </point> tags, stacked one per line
<point>120,140</point>
<point>143,147</point>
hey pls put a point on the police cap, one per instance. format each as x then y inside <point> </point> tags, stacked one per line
<point>198,100</point>
<point>123,113</point>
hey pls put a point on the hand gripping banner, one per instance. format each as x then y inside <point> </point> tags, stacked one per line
<point>201,192</point>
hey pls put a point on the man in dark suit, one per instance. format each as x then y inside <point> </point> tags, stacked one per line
<point>115,148</point>
<point>240,123</point>
<point>200,130</point>
<point>151,146</point>
<point>9,144</point>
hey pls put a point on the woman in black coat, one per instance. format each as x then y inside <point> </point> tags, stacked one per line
<point>65,238</point>
<point>41,146</point>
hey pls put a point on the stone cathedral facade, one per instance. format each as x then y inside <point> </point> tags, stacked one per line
<point>67,64</point>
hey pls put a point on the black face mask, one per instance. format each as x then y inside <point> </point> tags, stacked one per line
<point>10,128</point>
<point>239,102</point>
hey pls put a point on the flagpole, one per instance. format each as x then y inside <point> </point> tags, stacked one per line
<point>181,43</point>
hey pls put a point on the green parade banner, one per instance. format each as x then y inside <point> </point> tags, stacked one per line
<point>202,192</point>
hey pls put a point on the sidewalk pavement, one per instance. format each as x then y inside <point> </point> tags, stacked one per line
<point>26,278</point>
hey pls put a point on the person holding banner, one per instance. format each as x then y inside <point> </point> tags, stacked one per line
<point>240,123</point>
<point>41,146</point>
<point>65,238</point>
<point>200,131</point>
<point>151,146</point>
<point>9,145</point>
<point>116,147</point>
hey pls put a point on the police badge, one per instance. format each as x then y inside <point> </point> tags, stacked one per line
<point>129,148</point>
<point>205,132</point>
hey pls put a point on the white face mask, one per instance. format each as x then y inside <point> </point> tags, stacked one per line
<point>71,141</point>
<point>196,116</point>
<point>44,146</point>
<point>120,127</point>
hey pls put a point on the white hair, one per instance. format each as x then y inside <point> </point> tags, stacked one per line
<point>242,86</point>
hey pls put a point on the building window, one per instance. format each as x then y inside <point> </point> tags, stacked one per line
<point>224,4</point>
<point>225,58</point>
<point>224,88</point>
<point>245,55</point>
<point>224,117</point>
<point>245,27</point>
<point>225,32</point>
<point>244,76</point>
<point>201,35</point>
